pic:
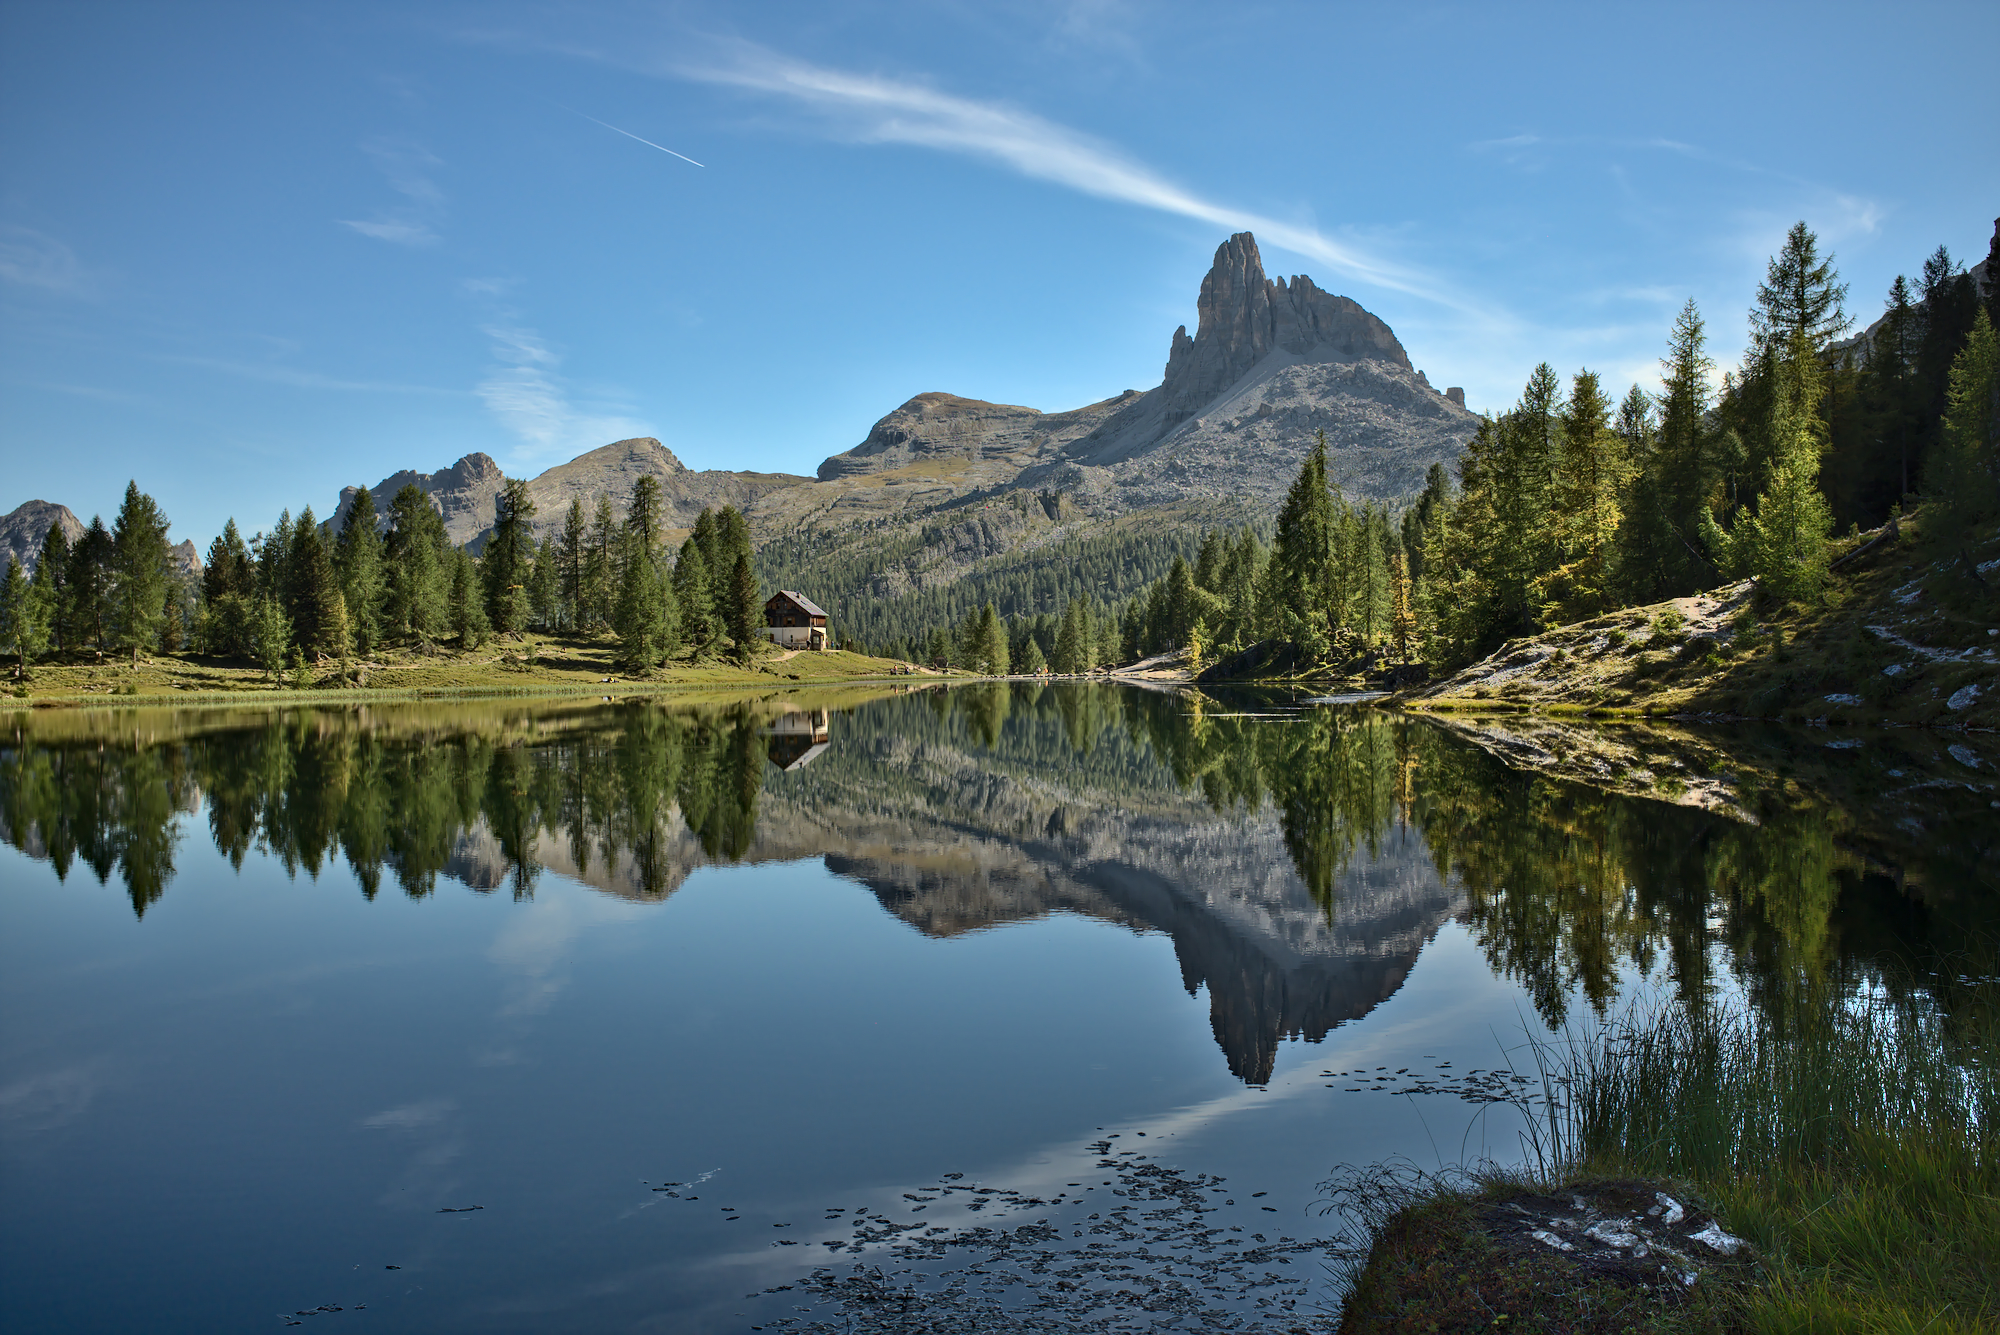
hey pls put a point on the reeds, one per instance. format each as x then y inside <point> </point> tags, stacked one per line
<point>1852,1138</point>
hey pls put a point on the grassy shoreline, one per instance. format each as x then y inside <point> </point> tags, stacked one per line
<point>552,667</point>
<point>1850,1139</point>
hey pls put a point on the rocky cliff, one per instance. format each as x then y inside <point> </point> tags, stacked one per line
<point>1271,364</point>
<point>26,527</point>
<point>462,493</point>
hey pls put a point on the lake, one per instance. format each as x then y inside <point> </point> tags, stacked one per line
<point>1052,1005</point>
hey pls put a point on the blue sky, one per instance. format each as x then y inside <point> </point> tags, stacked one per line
<point>251,253</point>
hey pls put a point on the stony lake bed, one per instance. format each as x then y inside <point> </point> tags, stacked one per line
<point>1003,1006</point>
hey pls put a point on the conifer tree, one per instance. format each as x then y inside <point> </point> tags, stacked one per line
<point>90,562</point>
<point>508,561</point>
<point>1657,556</point>
<point>1071,655</point>
<point>1962,483</point>
<point>1183,606</point>
<point>358,563</point>
<point>1783,544</point>
<point>708,537</point>
<point>271,635</point>
<point>1403,617</point>
<point>1211,563</point>
<point>1893,399</point>
<point>420,567</point>
<point>1946,309</point>
<point>570,563</point>
<point>1032,661</point>
<point>1586,505</point>
<point>468,603</point>
<point>642,517</point>
<point>141,572</point>
<point>1296,577</point>
<point>545,586</point>
<point>601,574</point>
<point>274,552</point>
<point>641,616</point>
<point>24,621</point>
<point>314,590</point>
<point>988,643</point>
<point>692,592</point>
<point>1801,303</point>
<point>52,580</point>
<point>743,605</point>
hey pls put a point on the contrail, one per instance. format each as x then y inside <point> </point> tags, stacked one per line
<point>629,135</point>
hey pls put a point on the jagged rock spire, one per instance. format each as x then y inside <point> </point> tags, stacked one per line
<point>1243,316</point>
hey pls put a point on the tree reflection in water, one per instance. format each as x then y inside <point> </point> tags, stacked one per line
<point>1565,886</point>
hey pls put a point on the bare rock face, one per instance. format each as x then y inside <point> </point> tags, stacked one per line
<point>462,493</point>
<point>1244,316</point>
<point>187,561</point>
<point>1271,364</point>
<point>26,527</point>
<point>935,427</point>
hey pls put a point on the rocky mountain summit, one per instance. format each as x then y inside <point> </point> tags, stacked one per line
<point>1271,363</point>
<point>615,469</point>
<point>936,427</point>
<point>26,526</point>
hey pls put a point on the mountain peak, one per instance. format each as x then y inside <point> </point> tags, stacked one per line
<point>1244,316</point>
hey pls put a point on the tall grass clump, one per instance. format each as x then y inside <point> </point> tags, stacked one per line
<point>1851,1138</point>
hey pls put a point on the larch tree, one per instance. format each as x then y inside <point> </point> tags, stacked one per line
<point>420,568</point>
<point>142,571</point>
<point>600,571</point>
<point>357,559</point>
<point>24,620</point>
<point>315,605</point>
<point>1783,543</point>
<point>1676,488</point>
<point>508,561</point>
<point>1296,576</point>
<point>1962,483</point>
<point>570,563</point>
<point>692,590</point>
<point>89,593</point>
<point>52,578</point>
<point>742,606</point>
<point>1586,511</point>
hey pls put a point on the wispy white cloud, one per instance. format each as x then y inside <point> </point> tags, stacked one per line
<point>411,1116</point>
<point>525,392</point>
<point>35,259</point>
<point>300,379</point>
<point>866,108</point>
<point>407,166</point>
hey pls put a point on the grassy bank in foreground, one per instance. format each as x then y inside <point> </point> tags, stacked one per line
<point>1851,1143</point>
<point>530,665</point>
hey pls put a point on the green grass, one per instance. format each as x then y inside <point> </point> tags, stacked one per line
<point>503,667</point>
<point>1852,1141</point>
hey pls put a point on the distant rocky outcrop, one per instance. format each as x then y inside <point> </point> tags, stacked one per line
<point>933,427</point>
<point>462,493</point>
<point>1271,364</point>
<point>614,470</point>
<point>26,527</point>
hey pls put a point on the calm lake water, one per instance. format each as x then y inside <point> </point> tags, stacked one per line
<point>1060,1001</point>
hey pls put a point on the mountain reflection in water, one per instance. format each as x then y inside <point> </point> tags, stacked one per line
<point>1299,861</point>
